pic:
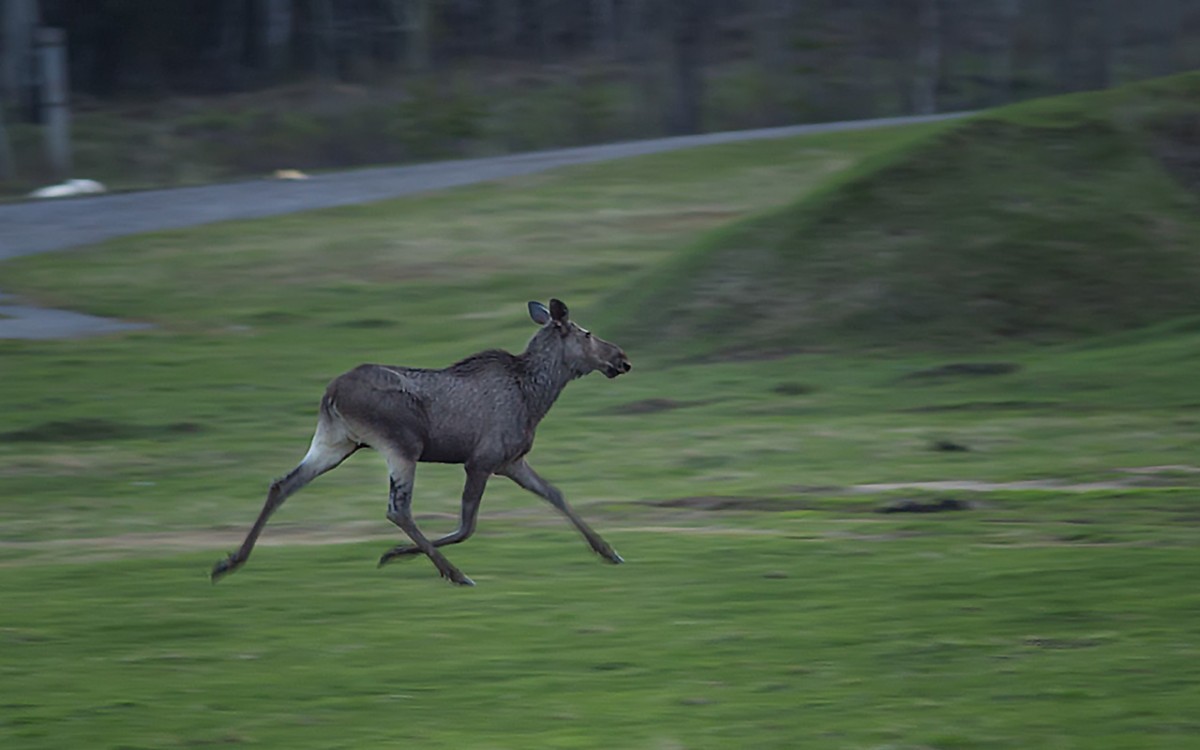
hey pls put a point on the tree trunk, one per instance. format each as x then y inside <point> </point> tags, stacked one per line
<point>506,26</point>
<point>1064,38</point>
<point>324,46</point>
<point>929,57</point>
<point>1002,57</point>
<point>772,24</point>
<point>604,28</point>
<point>1169,17</point>
<point>772,34</point>
<point>548,26</point>
<point>231,54</point>
<point>415,18</point>
<point>640,42</point>
<point>7,170</point>
<point>689,20</point>
<point>20,18</point>
<point>275,29</point>
<point>1108,43</point>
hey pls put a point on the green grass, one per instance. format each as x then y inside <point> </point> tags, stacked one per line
<point>185,431</point>
<point>941,634</point>
<point>1044,221</point>
<point>577,230</point>
<point>795,616</point>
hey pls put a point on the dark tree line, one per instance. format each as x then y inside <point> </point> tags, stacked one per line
<point>833,55</point>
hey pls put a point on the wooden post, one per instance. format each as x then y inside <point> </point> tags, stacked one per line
<point>54,99</point>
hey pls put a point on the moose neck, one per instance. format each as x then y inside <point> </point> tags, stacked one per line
<point>545,374</point>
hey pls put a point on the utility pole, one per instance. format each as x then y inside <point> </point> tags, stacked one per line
<point>54,99</point>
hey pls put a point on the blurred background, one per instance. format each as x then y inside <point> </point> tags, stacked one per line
<point>185,91</point>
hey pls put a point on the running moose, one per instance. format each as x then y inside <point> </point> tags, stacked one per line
<point>481,412</point>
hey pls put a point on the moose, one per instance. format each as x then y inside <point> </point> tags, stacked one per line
<point>481,412</point>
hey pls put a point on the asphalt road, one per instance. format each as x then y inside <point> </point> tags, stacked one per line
<point>39,226</point>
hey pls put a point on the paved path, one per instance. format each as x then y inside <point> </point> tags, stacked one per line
<point>25,322</point>
<point>46,225</point>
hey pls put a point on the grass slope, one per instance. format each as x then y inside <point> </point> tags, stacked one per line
<point>1049,220</point>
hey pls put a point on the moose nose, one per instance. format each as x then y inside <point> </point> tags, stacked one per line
<point>625,366</point>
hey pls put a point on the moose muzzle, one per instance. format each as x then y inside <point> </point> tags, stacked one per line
<point>618,366</point>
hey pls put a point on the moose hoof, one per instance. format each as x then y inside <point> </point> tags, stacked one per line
<point>457,578</point>
<point>395,552</point>
<point>224,567</point>
<point>610,554</point>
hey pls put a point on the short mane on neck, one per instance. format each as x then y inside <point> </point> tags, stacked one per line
<point>543,374</point>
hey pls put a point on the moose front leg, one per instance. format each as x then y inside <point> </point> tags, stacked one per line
<point>399,512</point>
<point>472,496</point>
<point>524,475</point>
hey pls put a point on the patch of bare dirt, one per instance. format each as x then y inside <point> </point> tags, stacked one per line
<point>699,218</point>
<point>227,537</point>
<point>1062,643</point>
<point>655,405</point>
<point>702,530</point>
<point>940,505</point>
<point>726,502</point>
<point>216,538</point>
<point>1164,469</point>
<point>722,502</point>
<point>968,485</point>
<point>1013,404</point>
<point>961,369</point>
<point>91,429</point>
<point>794,389</point>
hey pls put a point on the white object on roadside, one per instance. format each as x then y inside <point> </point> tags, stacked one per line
<point>68,188</point>
<point>290,174</point>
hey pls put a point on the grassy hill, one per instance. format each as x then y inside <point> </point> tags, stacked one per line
<point>1049,220</point>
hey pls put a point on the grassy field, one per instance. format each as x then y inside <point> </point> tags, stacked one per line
<point>765,602</point>
<point>950,633</point>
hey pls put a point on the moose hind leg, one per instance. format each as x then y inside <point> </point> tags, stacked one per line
<point>325,453</point>
<point>472,495</point>
<point>524,475</point>
<point>402,471</point>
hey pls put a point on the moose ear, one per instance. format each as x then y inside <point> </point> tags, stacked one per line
<point>539,313</point>
<point>558,310</point>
